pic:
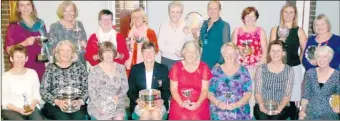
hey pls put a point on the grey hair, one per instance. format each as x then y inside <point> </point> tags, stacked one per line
<point>176,4</point>
<point>324,50</point>
<point>191,43</point>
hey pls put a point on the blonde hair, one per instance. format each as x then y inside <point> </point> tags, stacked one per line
<point>70,44</point>
<point>324,50</point>
<point>191,43</point>
<point>229,44</point>
<point>295,21</point>
<point>62,6</point>
<point>141,12</point>
<point>176,4</point>
<point>15,15</point>
<point>322,17</point>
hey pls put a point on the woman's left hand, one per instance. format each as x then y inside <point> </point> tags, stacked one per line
<point>159,103</point>
<point>83,43</point>
<point>193,106</point>
<point>77,103</point>
<point>336,110</point>
<point>232,106</point>
<point>277,111</point>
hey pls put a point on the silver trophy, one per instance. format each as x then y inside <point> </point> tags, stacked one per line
<point>149,97</point>
<point>138,39</point>
<point>77,31</point>
<point>69,94</point>
<point>271,106</point>
<point>187,94</point>
<point>283,33</point>
<point>228,95</point>
<point>194,20</point>
<point>309,54</point>
<point>26,107</point>
<point>42,41</point>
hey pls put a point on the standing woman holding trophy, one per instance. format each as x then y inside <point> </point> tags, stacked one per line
<point>149,86</point>
<point>64,85</point>
<point>68,28</point>
<point>137,35</point>
<point>108,86</point>
<point>189,84</point>
<point>273,84</point>
<point>214,32</point>
<point>321,97</point>
<point>106,32</point>
<point>26,29</point>
<point>322,29</point>
<point>171,36</point>
<point>295,38</point>
<point>20,89</point>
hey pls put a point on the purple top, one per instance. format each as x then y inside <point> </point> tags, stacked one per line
<point>17,34</point>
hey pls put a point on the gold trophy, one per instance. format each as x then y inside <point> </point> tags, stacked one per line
<point>334,101</point>
<point>27,107</point>
<point>247,50</point>
<point>43,39</point>
<point>149,97</point>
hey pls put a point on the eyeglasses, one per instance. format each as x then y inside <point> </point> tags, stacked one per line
<point>106,20</point>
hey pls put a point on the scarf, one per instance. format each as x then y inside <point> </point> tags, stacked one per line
<point>110,36</point>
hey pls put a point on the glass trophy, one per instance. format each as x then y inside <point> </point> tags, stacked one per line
<point>271,106</point>
<point>27,107</point>
<point>187,94</point>
<point>310,52</point>
<point>194,20</point>
<point>283,33</point>
<point>77,31</point>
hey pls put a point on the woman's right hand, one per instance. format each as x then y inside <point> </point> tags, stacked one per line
<point>61,104</point>
<point>263,109</point>
<point>140,103</point>
<point>313,62</point>
<point>28,41</point>
<point>22,112</point>
<point>302,115</point>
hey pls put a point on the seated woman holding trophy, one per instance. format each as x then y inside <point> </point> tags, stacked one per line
<point>139,33</point>
<point>108,86</point>
<point>149,86</point>
<point>322,29</point>
<point>321,97</point>
<point>106,32</point>
<point>273,85</point>
<point>189,86</point>
<point>20,89</point>
<point>230,87</point>
<point>64,85</point>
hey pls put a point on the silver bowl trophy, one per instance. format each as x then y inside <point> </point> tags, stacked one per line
<point>283,33</point>
<point>271,106</point>
<point>149,97</point>
<point>187,94</point>
<point>138,39</point>
<point>27,107</point>
<point>69,94</point>
<point>194,20</point>
<point>309,54</point>
<point>42,41</point>
<point>247,50</point>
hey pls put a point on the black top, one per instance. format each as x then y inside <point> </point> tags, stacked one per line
<point>292,46</point>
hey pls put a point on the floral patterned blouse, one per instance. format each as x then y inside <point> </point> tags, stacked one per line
<point>237,84</point>
<point>254,41</point>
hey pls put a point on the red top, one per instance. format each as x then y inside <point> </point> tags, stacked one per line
<point>189,80</point>
<point>92,49</point>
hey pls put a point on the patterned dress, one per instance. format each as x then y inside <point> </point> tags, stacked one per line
<point>238,84</point>
<point>102,89</point>
<point>318,107</point>
<point>254,40</point>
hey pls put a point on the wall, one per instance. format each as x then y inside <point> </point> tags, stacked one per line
<point>331,10</point>
<point>231,12</point>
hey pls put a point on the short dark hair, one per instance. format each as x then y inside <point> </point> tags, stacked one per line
<point>149,45</point>
<point>17,48</point>
<point>248,10</point>
<point>105,12</point>
<point>107,46</point>
<point>276,42</point>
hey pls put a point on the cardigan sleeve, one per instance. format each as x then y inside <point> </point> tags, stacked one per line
<point>153,38</point>
<point>122,49</point>
<point>91,50</point>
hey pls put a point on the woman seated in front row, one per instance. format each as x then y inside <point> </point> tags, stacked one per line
<point>233,80</point>
<point>149,75</point>
<point>65,72</point>
<point>321,83</point>
<point>273,85</point>
<point>20,84</point>
<point>108,86</point>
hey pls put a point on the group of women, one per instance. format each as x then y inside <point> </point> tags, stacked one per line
<point>218,79</point>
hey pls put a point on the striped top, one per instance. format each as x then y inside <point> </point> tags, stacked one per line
<point>274,86</point>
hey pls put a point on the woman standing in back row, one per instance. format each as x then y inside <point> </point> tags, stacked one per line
<point>295,38</point>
